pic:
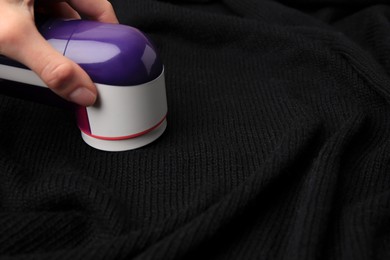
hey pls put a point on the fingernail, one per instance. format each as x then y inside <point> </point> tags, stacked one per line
<point>83,97</point>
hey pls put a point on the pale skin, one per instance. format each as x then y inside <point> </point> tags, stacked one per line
<point>21,41</point>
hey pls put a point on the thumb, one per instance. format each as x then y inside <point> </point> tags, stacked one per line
<point>63,76</point>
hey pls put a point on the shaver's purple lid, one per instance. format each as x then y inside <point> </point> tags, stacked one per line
<point>111,54</point>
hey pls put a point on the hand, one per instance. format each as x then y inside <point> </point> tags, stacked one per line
<point>21,41</point>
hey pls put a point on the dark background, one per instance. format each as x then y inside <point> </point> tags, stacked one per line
<point>277,146</point>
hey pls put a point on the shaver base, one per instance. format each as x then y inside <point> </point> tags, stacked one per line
<point>126,144</point>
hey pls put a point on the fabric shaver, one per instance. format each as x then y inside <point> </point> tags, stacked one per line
<point>131,108</point>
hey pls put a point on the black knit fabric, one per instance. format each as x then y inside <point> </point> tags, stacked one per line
<point>277,146</point>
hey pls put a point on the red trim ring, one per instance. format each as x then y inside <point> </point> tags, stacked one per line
<point>127,136</point>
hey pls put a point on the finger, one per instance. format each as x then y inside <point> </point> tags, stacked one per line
<point>60,74</point>
<point>99,10</point>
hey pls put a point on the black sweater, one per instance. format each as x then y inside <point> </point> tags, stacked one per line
<point>277,146</point>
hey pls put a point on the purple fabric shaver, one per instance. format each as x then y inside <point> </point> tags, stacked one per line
<point>131,108</point>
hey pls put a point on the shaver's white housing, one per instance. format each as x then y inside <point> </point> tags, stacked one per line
<point>126,118</point>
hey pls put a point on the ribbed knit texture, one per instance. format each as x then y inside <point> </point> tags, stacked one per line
<point>277,146</point>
